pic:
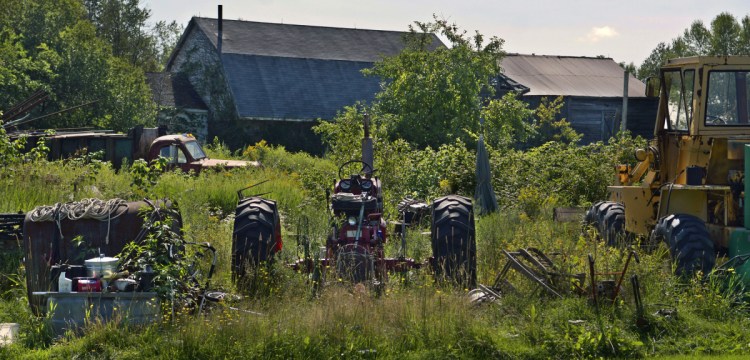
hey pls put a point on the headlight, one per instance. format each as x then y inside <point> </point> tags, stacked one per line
<point>352,220</point>
<point>366,185</point>
<point>345,184</point>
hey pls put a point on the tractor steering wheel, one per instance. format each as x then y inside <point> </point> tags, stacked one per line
<point>365,167</point>
<point>715,120</point>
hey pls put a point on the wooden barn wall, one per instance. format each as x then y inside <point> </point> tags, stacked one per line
<point>598,119</point>
<point>642,115</point>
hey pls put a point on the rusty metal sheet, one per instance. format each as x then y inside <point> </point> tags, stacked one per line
<point>570,76</point>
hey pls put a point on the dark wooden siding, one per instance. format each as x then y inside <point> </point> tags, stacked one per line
<point>598,119</point>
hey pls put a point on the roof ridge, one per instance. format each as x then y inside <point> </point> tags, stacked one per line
<point>561,56</point>
<point>301,25</point>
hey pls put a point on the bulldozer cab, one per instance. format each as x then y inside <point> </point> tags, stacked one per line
<point>705,96</point>
<point>703,119</point>
<point>696,156</point>
<point>688,187</point>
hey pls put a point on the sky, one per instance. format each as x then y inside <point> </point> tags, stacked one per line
<point>623,30</point>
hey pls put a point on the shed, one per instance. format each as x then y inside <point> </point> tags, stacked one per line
<point>592,88</point>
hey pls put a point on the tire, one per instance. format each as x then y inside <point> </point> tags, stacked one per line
<point>257,234</point>
<point>608,218</point>
<point>454,255</point>
<point>690,245</point>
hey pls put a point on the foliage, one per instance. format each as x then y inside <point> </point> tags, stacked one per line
<point>435,93</point>
<point>122,24</point>
<point>53,46</point>
<point>412,318</point>
<point>162,249</point>
<point>725,36</point>
<point>508,121</point>
<point>559,174</point>
<point>12,150</point>
<point>145,175</point>
<point>21,73</point>
<point>548,128</point>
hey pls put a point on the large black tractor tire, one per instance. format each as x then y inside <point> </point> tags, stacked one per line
<point>454,247</point>
<point>689,242</point>
<point>608,218</point>
<point>256,232</point>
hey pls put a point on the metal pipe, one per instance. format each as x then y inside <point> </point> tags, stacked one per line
<point>221,30</point>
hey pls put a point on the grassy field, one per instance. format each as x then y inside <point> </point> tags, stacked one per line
<point>413,318</point>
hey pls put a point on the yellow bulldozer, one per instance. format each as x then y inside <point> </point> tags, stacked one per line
<point>688,186</point>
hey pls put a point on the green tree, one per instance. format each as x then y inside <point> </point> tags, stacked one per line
<point>53,46</point>
<point>726,36</point>
<point>435,95</point>
<point>123,25</point>
<point>21,74</point>
<point>508,121</point>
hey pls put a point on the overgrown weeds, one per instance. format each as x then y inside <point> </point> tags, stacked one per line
<point>412,318</point>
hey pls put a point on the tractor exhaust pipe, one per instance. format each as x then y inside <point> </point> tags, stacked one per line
<point>367,149</point>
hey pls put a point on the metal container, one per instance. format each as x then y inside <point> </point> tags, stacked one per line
<point>88,285</point>
<point>101,266</point>
<point>125,284</point>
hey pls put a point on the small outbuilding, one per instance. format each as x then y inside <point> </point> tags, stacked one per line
<point>592,88</point>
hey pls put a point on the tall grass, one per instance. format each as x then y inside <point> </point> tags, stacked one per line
<point>410,319</point>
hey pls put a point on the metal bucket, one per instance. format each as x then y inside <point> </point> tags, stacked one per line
<point>101,266</point>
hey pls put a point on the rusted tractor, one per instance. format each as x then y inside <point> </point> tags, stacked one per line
<point>354,250</point>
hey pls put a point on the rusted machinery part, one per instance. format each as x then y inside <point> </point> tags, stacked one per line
<point>483,294</point>
<point>689,242</point>
<point>454,241</point>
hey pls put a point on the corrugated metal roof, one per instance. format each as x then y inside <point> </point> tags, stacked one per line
<point>546,75</point>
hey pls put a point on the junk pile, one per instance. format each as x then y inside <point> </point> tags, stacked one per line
<point>70,268</point>
<point>548,277</point>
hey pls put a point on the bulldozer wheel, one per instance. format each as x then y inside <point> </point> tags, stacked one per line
<point>608,218</point>
<point>689,243</point>
<point>257,233</point>
<point>453,240</point>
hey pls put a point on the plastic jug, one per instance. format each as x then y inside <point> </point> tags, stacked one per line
<point>64,285</point>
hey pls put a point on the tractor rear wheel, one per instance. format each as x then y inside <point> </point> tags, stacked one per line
<point>608,218</point>
<point>454,241</point>
<point>257,234</point>
<point>689,243</point>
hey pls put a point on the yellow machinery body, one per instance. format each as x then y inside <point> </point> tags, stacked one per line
<point>695,163</point>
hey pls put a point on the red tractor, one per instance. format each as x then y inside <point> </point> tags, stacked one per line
<point>355,246</point>
<point>356,242</point>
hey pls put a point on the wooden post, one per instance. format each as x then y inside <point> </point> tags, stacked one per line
<point>624,122</point>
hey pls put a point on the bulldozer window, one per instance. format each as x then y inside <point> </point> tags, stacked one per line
<point>727,98</point>
<point>679,93</point>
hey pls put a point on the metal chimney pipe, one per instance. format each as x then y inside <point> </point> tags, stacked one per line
<point>368,155</point>
<point>221,30</point>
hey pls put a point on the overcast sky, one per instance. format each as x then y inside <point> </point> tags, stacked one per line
<point>623,30</point>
